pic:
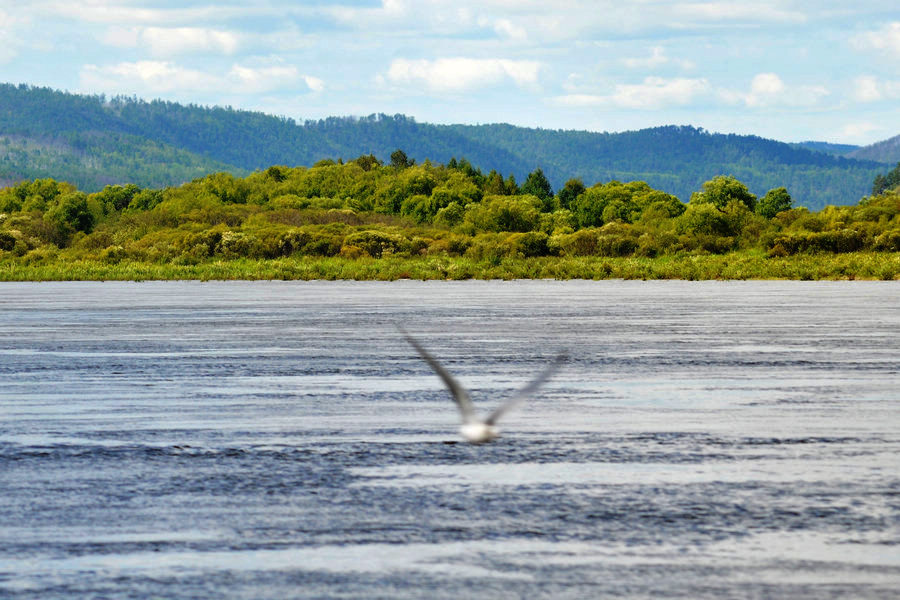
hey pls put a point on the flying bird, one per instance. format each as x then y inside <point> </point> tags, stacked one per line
<point>473,429</point>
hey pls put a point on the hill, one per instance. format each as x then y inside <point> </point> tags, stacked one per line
<point>886,151</point>
<point>93,141</point>
<point>828,148</point>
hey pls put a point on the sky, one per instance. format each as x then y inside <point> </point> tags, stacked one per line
<point>781,69</point>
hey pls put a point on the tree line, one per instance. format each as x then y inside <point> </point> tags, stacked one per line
<point>367,207</point>
<point>94,141</point>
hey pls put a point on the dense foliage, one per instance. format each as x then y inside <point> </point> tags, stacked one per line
<point>886,151</point>
<point>365,209</point>
<point>93,141</point>
<point>883,183</point>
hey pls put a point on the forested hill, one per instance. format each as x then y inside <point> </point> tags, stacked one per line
<point>835,149</point>
<point>887,151</point>
<point>93,141</point>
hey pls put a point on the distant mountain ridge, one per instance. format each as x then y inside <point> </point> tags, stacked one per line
<point>886,151</point>
<point>828,148</point>
<point>93,141</point>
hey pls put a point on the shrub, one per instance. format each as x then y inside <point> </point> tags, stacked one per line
<point>533,243</point>
<point>721,190</point>
<point>70,214</point>
<point>581,243</point>
<point>374,243</point>
<point>775,201</point>
<point>450,216</point>
<point>7,241</point>
<point>837,241</point>
<point>289,201</point>
<point>889,241</point>
<point>504,213</point>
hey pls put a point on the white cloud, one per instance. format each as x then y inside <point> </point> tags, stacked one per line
<point>121,37</point>
<point>765,89</point>
<point>178,40</point>
<point>156,77</point>
<point>263,79</point>
<point>657,58</point>
<point>119,12</point>
<point>870,89</point>
<point>652,93</point>
<point>854,132</point>
<point>506,28</point>
<point>165,42</point>
<point>738,11</point>
<point>886,39</point>
<point>314,83</point>
<point>164,78</point>
<point>768,89</point>
<point>8,39</point>
<point>460,74</point>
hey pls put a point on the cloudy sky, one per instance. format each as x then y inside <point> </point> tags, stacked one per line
<point>790,70</point>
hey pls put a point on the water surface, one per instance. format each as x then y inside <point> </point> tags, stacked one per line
<point>278,440</point>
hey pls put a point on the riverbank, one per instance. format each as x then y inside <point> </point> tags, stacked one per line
<point>731,266</point>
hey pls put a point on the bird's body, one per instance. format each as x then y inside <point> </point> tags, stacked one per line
<point>478,432</point>
<point>473,429</point>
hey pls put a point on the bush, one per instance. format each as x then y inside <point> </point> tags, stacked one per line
<point>7,241</point>
<point>616,239</point>
<point>533,243</point>
<point>581,243</point>
<point>889,241</point>
<point>504,213</point>
<point>722,190</point>
<point>450,216</point>
<point>70,214</point>
<point>775,201</point>
<point>289,201</point>
<point>374,243</point>
<point>837,241</point>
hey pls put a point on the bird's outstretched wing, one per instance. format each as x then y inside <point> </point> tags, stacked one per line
<point>460,395</point>
<point>529,389</point>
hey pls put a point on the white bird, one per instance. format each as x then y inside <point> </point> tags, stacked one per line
<point>474,429</point>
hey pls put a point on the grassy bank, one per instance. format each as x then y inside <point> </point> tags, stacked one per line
<point>737,265</point>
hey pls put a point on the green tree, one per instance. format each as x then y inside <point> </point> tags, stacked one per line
<point>368,162</point>
<point>887,182</point>
<point>604,203</point>
<point>569,192</point>
<point>775,201</point>
<point>70,214</point>
<point>494,184</point>
<point>537,185</point>
<point>505,213</point>
<point>399,159</point>
<point>721,190</point>
<point>512,188</point>
<point>117,197</point>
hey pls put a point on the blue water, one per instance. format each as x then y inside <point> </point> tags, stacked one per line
<point>281,440</point>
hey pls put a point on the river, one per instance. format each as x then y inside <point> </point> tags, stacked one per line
<point>282,440</point>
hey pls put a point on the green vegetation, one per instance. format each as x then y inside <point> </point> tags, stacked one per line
<point>886,151</point>
<point>94,141</point>
<point>365,219</point>
<point>884,183</point>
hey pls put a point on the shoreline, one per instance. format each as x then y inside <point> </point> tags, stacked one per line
<point>724,267</point>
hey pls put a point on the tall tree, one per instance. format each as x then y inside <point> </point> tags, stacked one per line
<point>537,185</point>
<point>721,190</point>
<point>399,159</point>
<point>775,201</point>
<point>571,190</point>
<point>887,182</point>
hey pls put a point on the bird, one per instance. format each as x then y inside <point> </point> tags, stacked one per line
<point>474,429</point>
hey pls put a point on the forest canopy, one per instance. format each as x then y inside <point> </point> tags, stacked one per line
<point>368,209</point>
<point>95,141</point>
